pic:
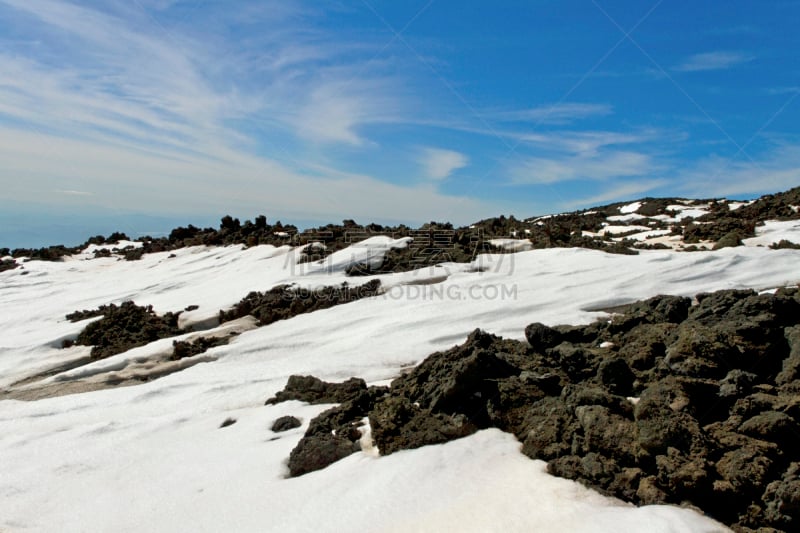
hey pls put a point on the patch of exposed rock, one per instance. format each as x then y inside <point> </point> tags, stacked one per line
<point>665,402</point>
<point>284,301</point>
<point>123,327</point>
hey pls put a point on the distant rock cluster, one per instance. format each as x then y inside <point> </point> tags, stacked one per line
<point>686,225</point>
<point>668,401</point>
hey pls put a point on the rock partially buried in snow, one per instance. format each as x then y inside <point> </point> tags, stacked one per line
<point>694,435</point>
<point>285,423</point>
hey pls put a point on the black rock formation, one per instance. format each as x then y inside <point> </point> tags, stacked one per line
<point>681,404</point>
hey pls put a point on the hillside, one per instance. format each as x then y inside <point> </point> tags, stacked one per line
<point>134,375</point>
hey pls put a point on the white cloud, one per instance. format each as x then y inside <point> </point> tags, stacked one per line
<point>713,61</point>
<point>586,143</point>
<point>129,180</point>
<point>774,170</point>
<point>563,113</point>
<point>135,118</point>
<point>438,164</point>
<point>602,166</point>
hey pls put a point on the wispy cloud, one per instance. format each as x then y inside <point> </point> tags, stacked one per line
<point>569,156</point>
<point>136,114</point>
<point>588,142</point>
<point>438,164</point>
<point>719,60</point>
<point>775,169</point>
<point>556,114</point>
<point>603,166</point>
<point>127,179</point>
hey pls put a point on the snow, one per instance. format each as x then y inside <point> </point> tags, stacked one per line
<point>152,457</point>
<point>615,230</point>
<point>512,245</point>
<point>683,211</point>
<point>626,218</point>
<point>630,208</point>
<point>774,231</point>
<point>646,235</point>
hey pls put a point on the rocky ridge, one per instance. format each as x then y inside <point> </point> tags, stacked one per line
<point>681,224</point>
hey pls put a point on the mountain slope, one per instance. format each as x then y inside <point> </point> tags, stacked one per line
<point>153,456</point>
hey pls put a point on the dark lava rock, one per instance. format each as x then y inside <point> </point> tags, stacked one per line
<point>783,500</point>
<point>315,391</point>
<point>716,424</point>
<point>8,264</point>
<point>542,337</point>
<point>775,427</point>
<point>124,327</point>
<point>227,422</point>
<point>315,452</point>
<point>736,384</point>
<point>642,346</point>
<point>791,365</point>
<point>398,424</point>
<point>183,349</point>
<point>334,434</point>
<point>460,380</point>
<point>616,376</point>
<point>608,433</point>
<point>285,423</point>
<point>284,302</point>
<point>549,426</point>
<point>729,240</point>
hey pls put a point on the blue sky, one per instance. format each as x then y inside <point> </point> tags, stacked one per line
<point>140,115</point>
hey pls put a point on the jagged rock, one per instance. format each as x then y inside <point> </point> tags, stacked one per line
<point>124,327</point>
<point>607,433</point>
<point>315,452</point>
<point>683,476</point>
<point>397,424</point>
<point>713,306</point>
<point>644,344</point>
<point>285,423</point>
<point>315,391</point>
<point>514,396</point>
<point>746,467</point>
<point>548,429</point>
<point>592,468</point>
<point>616,376</point>
<point>716,423</point>
<point>284,302</point>
<point>701,351</point>
<point>664,421</point>
<point>542,337</point>
<point>649,493</point>
<point>773,426</point>
<point>659,309</point>
<point>576,361</point>
<point>791,365</point>
<point>334,434</point>
<point>736,384</point>
<point>782,498</point>
<point>460,380</point>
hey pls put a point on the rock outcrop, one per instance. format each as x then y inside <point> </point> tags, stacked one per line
<point>665,402</point>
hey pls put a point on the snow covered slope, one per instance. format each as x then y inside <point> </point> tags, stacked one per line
<point>152,457</point>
